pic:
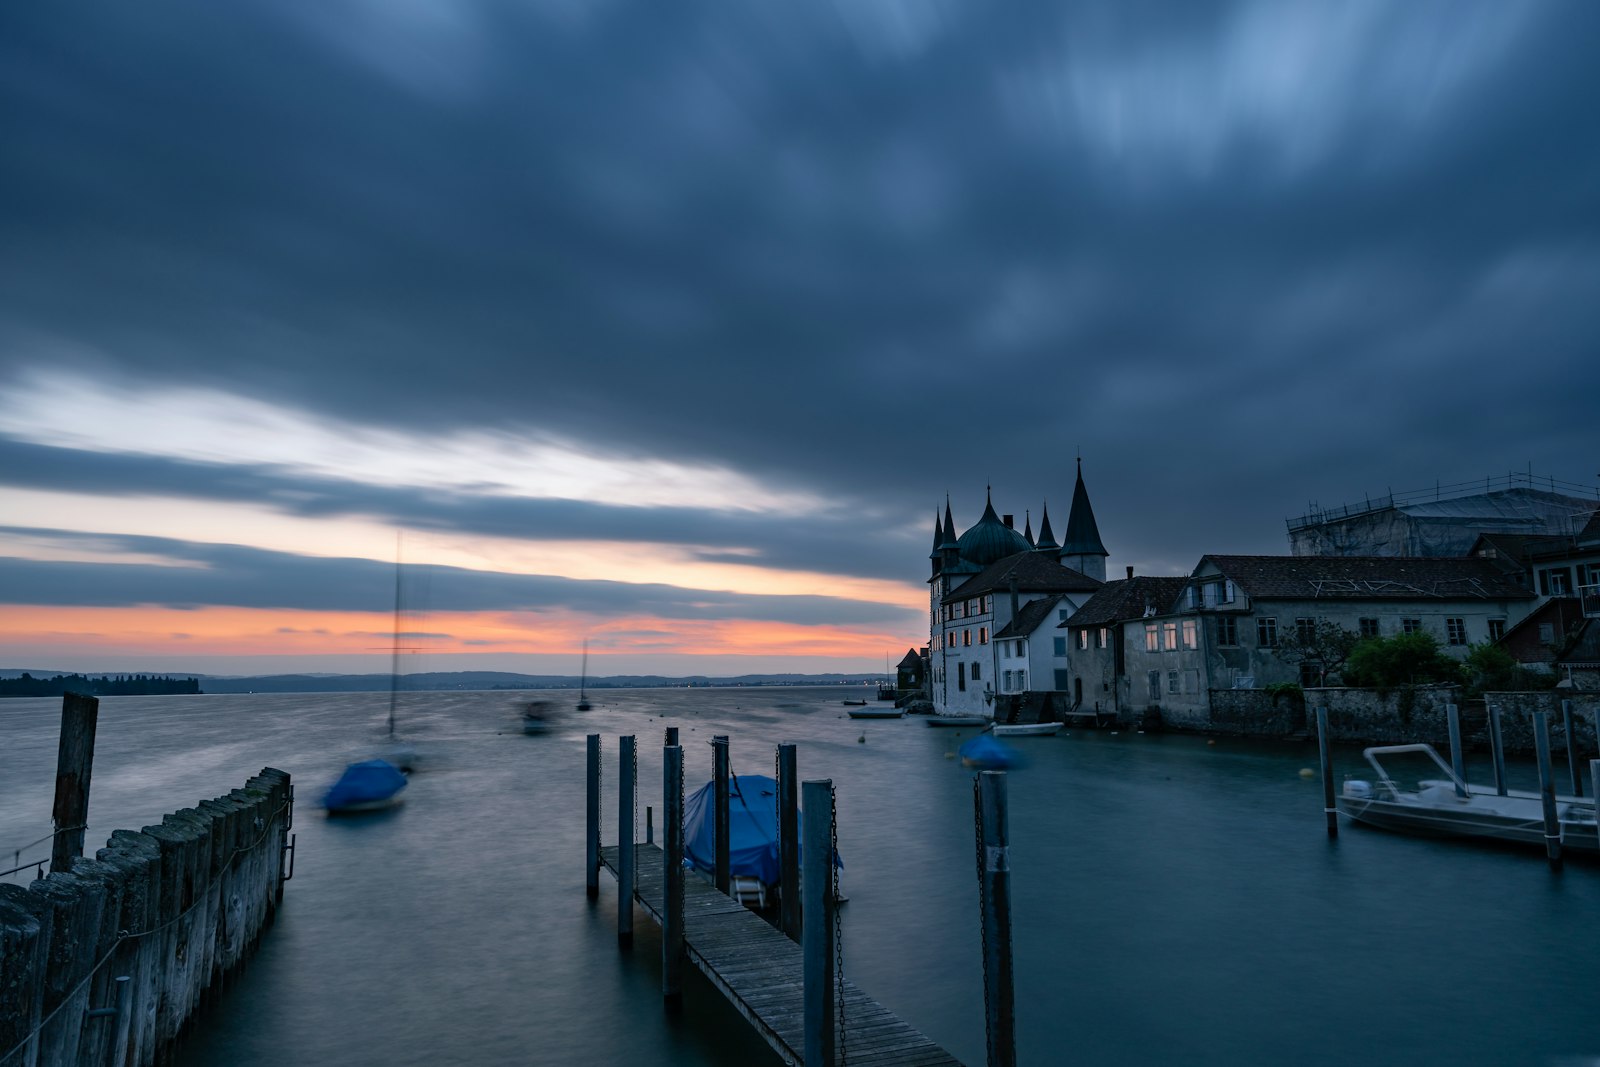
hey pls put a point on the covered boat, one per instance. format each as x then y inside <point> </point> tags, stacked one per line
<point>365,786</point>
<point>985,753</point>
<point>752,837</point>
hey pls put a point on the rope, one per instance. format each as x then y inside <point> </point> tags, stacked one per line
<point>124,936</point>
<point>16,853</point>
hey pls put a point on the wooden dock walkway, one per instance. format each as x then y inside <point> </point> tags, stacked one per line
<point>759,970</point>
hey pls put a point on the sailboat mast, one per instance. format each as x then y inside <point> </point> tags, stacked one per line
<point>394,659</point>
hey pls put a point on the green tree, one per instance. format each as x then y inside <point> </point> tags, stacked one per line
<point>1324,646</point>
<point>1404,659</point>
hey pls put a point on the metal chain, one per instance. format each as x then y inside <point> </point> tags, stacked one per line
<point>838,927</point>
<point>983,903</point>
<point>633,827</point>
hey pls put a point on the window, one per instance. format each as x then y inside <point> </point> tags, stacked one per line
<point>966,637</point>
<point>1497,629</point>
<point>1368,627</point>
<point>1058,646</point>
<point>1083,638</point>
<point>983,635</point>
<point>1152,637</point>
<point>1456,631</point>
<point>1267,632</point>
<point>1191,634</point>
<point>1173,683</point>
<point>1009,677</point>
<point>1410,626</point>
<point>1310,676</point>
<point>1105,637</point>
<point>988,604</point>
<point>1154,678</point>
<point>975,669</point>
<point>1022,680</point>
<point>1022,647</point>
<point>1306,630</point>
<point>1555,582</point>
<point>1195,597</point>
<point>1547,633</point>
<point>1169,636</point>
<point>961,677</point>
<point>1227,630</point>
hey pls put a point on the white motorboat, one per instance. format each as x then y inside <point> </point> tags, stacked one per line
<point>1448,807</point>
<point>1026,729</point>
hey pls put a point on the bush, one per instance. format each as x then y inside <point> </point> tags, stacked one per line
<point>1404,659</point>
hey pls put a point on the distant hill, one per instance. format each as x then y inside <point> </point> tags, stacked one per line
<point>473,680</point>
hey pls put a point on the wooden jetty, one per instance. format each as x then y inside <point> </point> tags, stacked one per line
<point>759,970</point>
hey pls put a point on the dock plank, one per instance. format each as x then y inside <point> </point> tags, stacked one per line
<point>761,972</point>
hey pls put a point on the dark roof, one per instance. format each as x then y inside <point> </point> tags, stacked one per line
<point>1046,539</point>
<point>1083,535</point>
<point>1584,649</point>
<point>1127,598</point>
<point>1518,547</point>
<point>1028,619</point>
<point>1590,534</point>
<point>1369,578</point>
<point>910,659</point>
<point>1034,573</point>
<point>989,539</point>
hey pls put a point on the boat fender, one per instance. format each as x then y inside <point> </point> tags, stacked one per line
<point>1355,787</point>
<point>1307,772</point>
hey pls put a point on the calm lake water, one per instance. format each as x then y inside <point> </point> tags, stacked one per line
<point>1174,901</point>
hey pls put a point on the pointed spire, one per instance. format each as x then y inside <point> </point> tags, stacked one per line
<point>1027,527</point>
<point>1047,537</point>
<point>938,535</point>
<point>949,526</point>
<point>1083,534</point>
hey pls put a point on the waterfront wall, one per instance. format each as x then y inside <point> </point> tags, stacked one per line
<point>106,963</point>
<point>1397,716</point>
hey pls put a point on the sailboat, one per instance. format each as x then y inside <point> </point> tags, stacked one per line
<point>583,680</point>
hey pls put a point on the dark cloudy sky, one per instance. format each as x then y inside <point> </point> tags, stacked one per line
<point>672,324</point>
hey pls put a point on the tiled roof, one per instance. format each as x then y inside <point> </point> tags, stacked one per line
<point>1519,547</point>
<point>1368,578</point>
<point>1028,619</point>
<point>1127,598</point>
<point>910,659</point>
<point>1590,534</point>
<point>1584,651</point>
<point>1034,572</point>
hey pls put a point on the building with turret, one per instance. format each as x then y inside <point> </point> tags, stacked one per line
<point>981,586</point>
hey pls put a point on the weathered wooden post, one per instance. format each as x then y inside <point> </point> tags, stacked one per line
<point>591,835</point>
<point>1452,715</point>
<point>721,873</point>
<point>816,944</point>
<point>649,825</point>
<point>672,735</point>
<point>994,885</point>
<point>1497,750</point>
<point>627,777</point>
<point>1329,810</point>
<point>672,875</point>
<point>74,762</point>
<point>788,843</point>
<point>1594,780</point>
<point>1572,748</point>
<point>1547,789</point>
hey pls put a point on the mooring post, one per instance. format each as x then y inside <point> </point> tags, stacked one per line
<point>672,736</point>
<point>994,884</point>
<point>1547,789</point>
<point>816,944</point>
<point>649,825</point>
<point>672,874</point>
<point>1324,748</point>
<point>721,872</point>
<point>627,779</point>
<point>788,843</point>
<point>1497,750</point>
<point>1594,780</point>
<point>74,762</point>
<point>591,834</point>
<point>1452,715</point>
<point>1572,748</point>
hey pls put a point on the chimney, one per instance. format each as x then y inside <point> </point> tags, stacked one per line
<point>1009,520</point>
<point>1130,572</point>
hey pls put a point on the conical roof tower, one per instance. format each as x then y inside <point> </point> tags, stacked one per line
<point>1081,547</point>
<point>1047,537</point>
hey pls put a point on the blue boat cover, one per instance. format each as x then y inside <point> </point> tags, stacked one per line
<point>986,752</point>
<point>752,827</point>
<point>364,782</point>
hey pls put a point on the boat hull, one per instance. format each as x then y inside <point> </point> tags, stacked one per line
<point>1486,817</point>
<point>1031,729</point>
<point>877,713</point>
<point>957,720</point>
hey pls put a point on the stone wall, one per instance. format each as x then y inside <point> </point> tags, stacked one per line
<point>1256,713</point>
<point>105,964</point>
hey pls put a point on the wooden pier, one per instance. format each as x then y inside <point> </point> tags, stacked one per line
<point>759,970</point>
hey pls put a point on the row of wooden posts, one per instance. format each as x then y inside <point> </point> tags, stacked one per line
<point>1497,755</point>
<point>105,960</point>
<point>806,886</point>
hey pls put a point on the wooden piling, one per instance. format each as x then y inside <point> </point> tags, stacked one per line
<point>722,875</point>
<point>1547,789</point>
<point>989,794</point>
<point>1325,749</point>
<point>672,736</point>
<point>1497,750</point>
<point>74,762</point>
<point>816,943</point>
<point>1452,715</point>
<point>627,774</point>
<point>591,835</point>
<point>672,875</point>
<point>1572,748</point>
<point>649,825</point>
<point>1594,780</point>
<point>789,916</point>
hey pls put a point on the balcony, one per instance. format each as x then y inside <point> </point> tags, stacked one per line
<point>1589,597</point>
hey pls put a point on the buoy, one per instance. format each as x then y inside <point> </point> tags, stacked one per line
<point>949,755</point>
<point>1307,772</point>
<point>861,740</point>
<point>1210,742</point>
<point>1114,733</point>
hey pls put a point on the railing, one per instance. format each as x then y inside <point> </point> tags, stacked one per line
<point>1515,480</point>
<point>1589,598</point>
